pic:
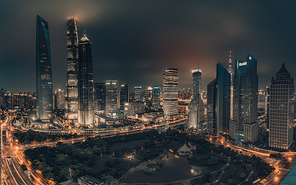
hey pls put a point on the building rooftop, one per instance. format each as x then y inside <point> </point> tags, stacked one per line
<point>283,69</point>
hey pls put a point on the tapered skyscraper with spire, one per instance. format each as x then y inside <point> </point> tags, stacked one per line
<point>85,83</point>
<point>72,68</point>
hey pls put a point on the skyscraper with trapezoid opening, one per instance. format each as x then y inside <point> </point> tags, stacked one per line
<point>43,71</point>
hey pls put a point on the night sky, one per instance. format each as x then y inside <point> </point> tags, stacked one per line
<point>135,41</point>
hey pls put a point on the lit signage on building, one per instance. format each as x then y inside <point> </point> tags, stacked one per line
<point>242,64</point>
<point>196,70</point>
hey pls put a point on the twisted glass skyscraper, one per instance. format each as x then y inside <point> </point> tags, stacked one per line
<point>72,68</point>
<point>43,71</point>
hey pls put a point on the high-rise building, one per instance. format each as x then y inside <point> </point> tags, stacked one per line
<point>218,101</point>
<point>72,68</point>
<point>267,100</point>
<point>231,72</point>
<point>59,99</point>
<point>170,92</point>
<point>281,110</point>
<point>156,98</point>
<point>245,99</point>
<point>123,95</point>
<point>100,96</point>
<point>196,106</point>
<point>85,83</point>
<point>43,71</point>
<point>138,93</point>
<point>111,98</point>
<point>148,97</point>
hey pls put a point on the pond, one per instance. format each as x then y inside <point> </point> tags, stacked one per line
<point>173,169</point>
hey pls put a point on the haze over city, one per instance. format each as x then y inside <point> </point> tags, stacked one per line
<point>134,41</point>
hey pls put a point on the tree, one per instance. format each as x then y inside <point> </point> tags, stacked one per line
<point>243,175</point>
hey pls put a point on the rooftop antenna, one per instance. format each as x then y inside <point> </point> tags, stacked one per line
<point>230,61</point>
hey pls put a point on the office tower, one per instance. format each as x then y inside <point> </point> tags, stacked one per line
<point>147,96</point>
<point>251,132</point>
<point>156,98</point>
<point>138,93</point>
<point>85,83</point>
<point>231,72</point>
<point>43,71</point>
<point>2,92</point>
<point>123,95</point>
<point>281,110</point>
<point>133,108</point>
<point>245,100</point>
<point>100,96</point>
<point>59,99</point>
<point>170,92</point>
<point>111,98</point>
<point>131,96</point>
<point>72,68</point>
<point>267,100</point>
<point>196,107</point>
<point>218,101</point>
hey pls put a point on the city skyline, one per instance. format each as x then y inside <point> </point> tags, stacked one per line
<point>151,43</point>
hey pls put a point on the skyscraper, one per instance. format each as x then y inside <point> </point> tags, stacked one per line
<point>156,98</point>
<point>147,96</point>
<point>59,99</point>
<point>281,110</point>
<point>123,95</point>
<point>72,68</point>
<point>138,93</point>
<point>111,98</point>
<point>100,96</point>
<point>218,101</point>
<point>170,92</point>
<point>231,72</point>
<point>245,99</point>
<point>43,70</point>
<point>196,107</point>
<point>85,83</point>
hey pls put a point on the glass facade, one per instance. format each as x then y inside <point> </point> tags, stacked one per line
<point>72,68</point>
<point>123,95</point>
<point>245,95</point>
<point>100,96</point>
<point>43,71</point>
<point>218,101</point>
<point>111,98</point>
<point>85,83</point>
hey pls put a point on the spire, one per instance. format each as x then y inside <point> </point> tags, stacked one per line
<point>230,61</point>
<point>84,37</point>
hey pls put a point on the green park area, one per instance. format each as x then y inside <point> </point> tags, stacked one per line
<point>146,157</point>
